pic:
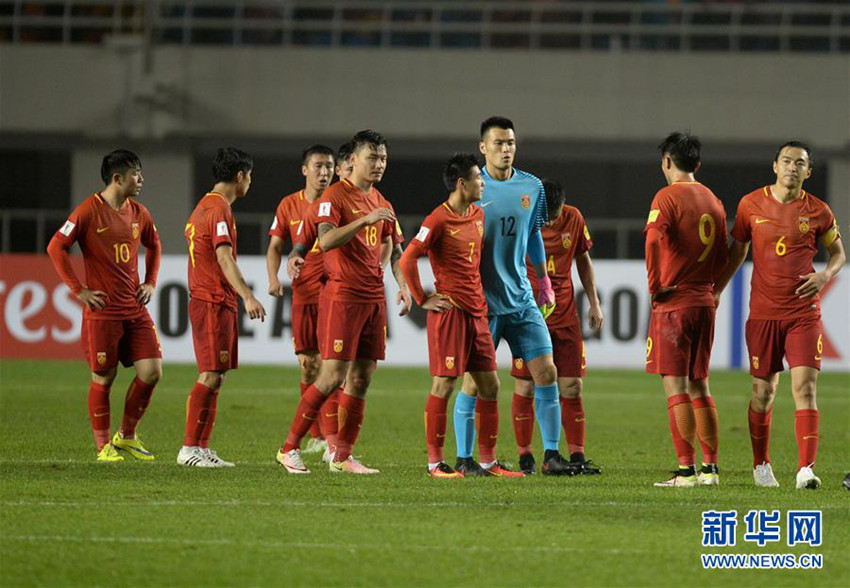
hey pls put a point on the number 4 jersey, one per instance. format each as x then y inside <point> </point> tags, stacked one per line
<point>692,226</point>
<point>210,225</point>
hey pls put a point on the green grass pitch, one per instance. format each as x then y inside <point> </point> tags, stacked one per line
<point>69,521</point>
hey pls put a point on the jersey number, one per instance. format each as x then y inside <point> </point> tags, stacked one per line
<point>190,237</point>
<point>707,234</point>
<point>371,235</point>
<point>508,229</point>
<point>781,249</point>
<point>471,250</point>
<point>122,252</point>
<point>550,266</point>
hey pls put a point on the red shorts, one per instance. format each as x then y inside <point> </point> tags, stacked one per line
<point>215,336</point>
<point>352,330</point>
<point>567,352</point>
<point>106,342</point>
<point>305,322</point>
<point>800,340</point>
<point>679,342</point>
<point>459,342</point>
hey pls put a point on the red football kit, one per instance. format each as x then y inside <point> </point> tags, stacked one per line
<point>109,240</point>
<point>688,222</point>
<point>784,243</point>
<point>459,339</point>
<point>213,304</point>
<point>565,238</point>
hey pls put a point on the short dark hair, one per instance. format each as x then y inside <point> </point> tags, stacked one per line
<point>459,166</point>
<point>555,197</point>
<point>118,162</point>
<point>228,162</point>
<point>798,145</point>
<point>315,150</point>
<point>683,149</point>
<point>344,152</point>
<point>496,122</point>
<point>367,137</point>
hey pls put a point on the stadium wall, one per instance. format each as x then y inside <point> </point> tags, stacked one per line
<point>41,319</point>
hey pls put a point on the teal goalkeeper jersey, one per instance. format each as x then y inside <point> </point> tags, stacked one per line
<point>514,211</point>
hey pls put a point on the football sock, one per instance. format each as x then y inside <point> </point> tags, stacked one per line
<point>99,413</point>
<point>487,413</point>
<point>435,427</point>
<point>305,415</point>
<point>572,418</point>
<point>522,415</point>
<point>760,434</point>
<point>329,418</point>
<point>806,429</point>
<point>464,422</point>
<point>548,415</point>
<point>705,413</point>
<point>680,414</point>
<point>212,411</point>
<point>315,428</point>
<point>197,413</point>
<point>351,412</point>
<point>136,402</point>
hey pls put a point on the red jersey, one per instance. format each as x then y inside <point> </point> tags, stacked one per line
<point>210,225</point>
<point>109,240</point>
<point>290,214</point>
<point>354,270</point>
<point>784,238</point>
<point>691,225</point>
<point>453,244</point>
<point>565,238</point>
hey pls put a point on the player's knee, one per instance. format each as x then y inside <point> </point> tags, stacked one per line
<point>764,391</point>
<point>546,375</point>
<point>443,387</point>
<point>150,375</point>
<point>804,392</point>
<point>309,368</point>
<point>359,382</point>
<point>104,378</point>
<point>212,380</point>
<point>489,390</point>
<point>571,388</point>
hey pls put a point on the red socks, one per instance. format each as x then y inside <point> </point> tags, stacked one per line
<point>806,429</point>
<point>705,413</point>
<point>99,413</point>
<point>522,415</point>
<point>329,418</point>
<point>572,419</point>
<point>198,414</point>
<point>212,411</point>
<point>435,427</point>
<point>351,412</point>
<point>760,434</point>
<point>680,414</point>
<point>138,398</point>
<point>305,415</point>
<point>487,418</point>
<point>315,430</point>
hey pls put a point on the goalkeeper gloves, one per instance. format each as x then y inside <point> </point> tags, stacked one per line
<point>545,296</point>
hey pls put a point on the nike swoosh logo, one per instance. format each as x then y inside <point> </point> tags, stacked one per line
<point>580,420</point>
<point>522,418</point>
<point>294,222</point>
<point>496,437</point>
<point>100,414</point>
<point>817,357</point>
<point>330,415</point>
<point>483,204</point>
<point>359,210</point>
<point>762,220</point>
<point>757,438</point>
<point>648,361</point>
<point>309,418</point>
<point>101,229</point>
<point>440,436</point>
<point>454,232</point>
<point>809,437</point>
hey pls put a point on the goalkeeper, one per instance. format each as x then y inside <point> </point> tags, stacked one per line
<point>514,205</point>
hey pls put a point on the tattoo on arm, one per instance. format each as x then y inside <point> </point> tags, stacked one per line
<point>395,257</point>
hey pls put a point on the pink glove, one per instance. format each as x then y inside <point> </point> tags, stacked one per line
<point>545,296</point>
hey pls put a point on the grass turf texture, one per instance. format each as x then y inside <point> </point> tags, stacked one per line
<point>67,520</point>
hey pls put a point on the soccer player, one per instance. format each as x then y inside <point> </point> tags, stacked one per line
<point>565,237</point>
<point>785,224</point>
<point>317,165</point>
<point>343,161</point>
<point>354,219</point>
<point>214,282</point>
<point>685,253</point>
<point>459,339</point>
<point>514,206</point>
<point>109,227</point>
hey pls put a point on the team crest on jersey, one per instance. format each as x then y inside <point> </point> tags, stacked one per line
<point>566,240</point>
<point>804,224</point>
<point>480,226</point>
<point>338,345</point>
<point>450,362</point>
<point>223,356</point>
<point>518,363</point>
<point>101,357</point>
<point>755,362</point>
<point>135,230</point>
<point>525,200</point>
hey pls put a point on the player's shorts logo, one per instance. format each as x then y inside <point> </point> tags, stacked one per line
<point>755,362</point>
<point>566,240</point>
<point>525,201</point>
<point>135,230</point>
<point>583,357</point>
<point>480,226</point>
<point>804,224</point>
<point>223,356</point>
<point>101,357</point>
<point>338,345</point>
<point>518,363</point>
<point>450,362</point>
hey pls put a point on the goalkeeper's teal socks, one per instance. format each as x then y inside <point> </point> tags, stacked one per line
<point>548,411</point>
<point>464,421</point>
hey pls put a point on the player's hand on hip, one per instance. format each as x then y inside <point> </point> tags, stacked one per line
<point>275,288</point>
<point>378,215</point>
<point>663,293</point>
<point>716,299</point>
<point>94,299</point>
<point>595,318</point>
<point>403,298</point>
<point>813,284</point>
<point>293,267</point>
<point>254,309</point>
<point>437,303</point>
<point>144,293</point>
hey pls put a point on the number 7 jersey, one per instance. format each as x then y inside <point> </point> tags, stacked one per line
<point>692,223</point>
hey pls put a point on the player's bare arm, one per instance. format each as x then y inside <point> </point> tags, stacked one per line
<point>815,281</point>
<point>296,260</point>
<point>584,266</point>
<point>153,254</point>
<point>273,257</point>
<point>410,269</point>
<point>331,237</point>
<point>737,254</point>
<point>403,296</point>
<point>232,273</point>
